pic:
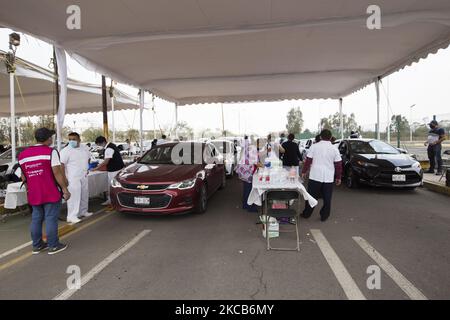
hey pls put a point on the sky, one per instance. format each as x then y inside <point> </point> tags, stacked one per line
<point>424,85</point>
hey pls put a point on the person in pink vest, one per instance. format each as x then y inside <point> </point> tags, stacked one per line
<point>46,186</point>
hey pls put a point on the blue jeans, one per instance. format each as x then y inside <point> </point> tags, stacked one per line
<point>50,213</point>
<point>435,157</point>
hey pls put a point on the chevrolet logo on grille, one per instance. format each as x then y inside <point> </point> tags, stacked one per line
<point>142,187</point>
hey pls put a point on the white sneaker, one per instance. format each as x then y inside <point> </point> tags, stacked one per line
<point>73,221</point>
<point>85,215</point>
<point>106,203</point>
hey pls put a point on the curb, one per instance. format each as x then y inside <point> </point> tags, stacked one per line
<point>436,187</point>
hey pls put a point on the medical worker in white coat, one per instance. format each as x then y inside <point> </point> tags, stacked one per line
<point>75,160</point>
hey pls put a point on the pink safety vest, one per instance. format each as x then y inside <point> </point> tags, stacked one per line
<point>36,166</point>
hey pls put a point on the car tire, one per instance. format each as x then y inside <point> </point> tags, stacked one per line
<point>351,180</point>
<point>224,180</point>
<point>202,201</point>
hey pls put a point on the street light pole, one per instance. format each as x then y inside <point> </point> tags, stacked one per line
<point>410,123</point>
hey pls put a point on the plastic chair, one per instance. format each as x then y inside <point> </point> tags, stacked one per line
<point>286,196</point>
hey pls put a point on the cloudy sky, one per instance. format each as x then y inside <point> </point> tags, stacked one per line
<point>425,84</point>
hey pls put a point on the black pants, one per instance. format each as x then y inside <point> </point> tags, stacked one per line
<point>434,155</point>
<point>319,190</point>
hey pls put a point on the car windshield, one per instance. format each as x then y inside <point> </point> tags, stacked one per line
<point>167,154</point>
<point>372,147</point>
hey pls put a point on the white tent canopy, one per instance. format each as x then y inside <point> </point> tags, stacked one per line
<point>199,51</point>
<point>38,90</point>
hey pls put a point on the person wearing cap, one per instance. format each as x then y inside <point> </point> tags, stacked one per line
<point>112,163</point>
<point>75,160</point>
<point>46,184</point>
<point>436,136</point>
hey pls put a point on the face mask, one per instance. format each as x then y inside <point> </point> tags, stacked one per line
<point>73,143</point>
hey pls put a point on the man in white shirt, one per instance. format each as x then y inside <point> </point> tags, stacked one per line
<point>324,164</point>
<point>75,160</point>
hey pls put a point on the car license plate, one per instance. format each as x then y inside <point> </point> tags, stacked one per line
<point>141,201</point>
<point>398,178</point>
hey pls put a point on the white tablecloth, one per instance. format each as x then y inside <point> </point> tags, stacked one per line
<point>17,196</point>
<point>258,189</point>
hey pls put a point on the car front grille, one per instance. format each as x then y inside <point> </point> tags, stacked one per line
<point>156,200</point>
<point>386,177</point>
<point>145,187</point>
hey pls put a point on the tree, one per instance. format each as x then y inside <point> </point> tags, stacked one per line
<point>90,134</point>
<point>333,123</point>
<point>294,121</point>
<point>184,130</point>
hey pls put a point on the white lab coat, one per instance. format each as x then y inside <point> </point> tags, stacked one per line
<point>76,162</point>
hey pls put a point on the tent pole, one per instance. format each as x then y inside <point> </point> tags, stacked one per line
<point>105,109</point>
<point>341,119</point>
<point>58,129</point>
<point>176,120</point>
<point>153,111</point>
<point>13,115</point>
<point>223,122</point>
<point>377,89</point>
<point>141,124</point>
<point>388,129</point>
<point>111,95</point>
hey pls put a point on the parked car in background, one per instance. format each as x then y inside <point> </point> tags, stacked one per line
<point>6,163</point>
<point>160,184</point>
<point>304,145</point>
<point>377,163</point>
<point>229,152</point>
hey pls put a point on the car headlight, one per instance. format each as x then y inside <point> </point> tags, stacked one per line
<point>186,184</point>
<point>366,164</point>
<point>115,183</point>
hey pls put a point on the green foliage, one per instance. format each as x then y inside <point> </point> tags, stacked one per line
<point>294,121</point>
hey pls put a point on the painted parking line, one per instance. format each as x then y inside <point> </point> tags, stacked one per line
<point>29,254</point>
<point>66,294</point>
<point>341,273</point>
<point>404,284</point>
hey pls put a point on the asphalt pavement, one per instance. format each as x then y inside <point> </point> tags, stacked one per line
<point>221,254</point>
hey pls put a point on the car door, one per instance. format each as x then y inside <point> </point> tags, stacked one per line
<point>343,150</point>
<point>211,170</point>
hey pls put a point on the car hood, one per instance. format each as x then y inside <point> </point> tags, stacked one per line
<point>387,160</point>
<point>163,173</point>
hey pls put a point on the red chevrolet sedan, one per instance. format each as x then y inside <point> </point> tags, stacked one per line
<point>170,178</point>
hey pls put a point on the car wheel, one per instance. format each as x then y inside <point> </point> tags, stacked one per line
<point>224,180</point>
<point>351,180</point>
<point>203,200</point>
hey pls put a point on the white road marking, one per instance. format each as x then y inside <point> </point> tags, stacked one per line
<point>23,246</point>
<point>404,284</point>
<point>66,294</point>
<point>344,278</point>
<point>16,249</point>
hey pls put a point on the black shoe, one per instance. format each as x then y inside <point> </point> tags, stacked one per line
<point>59,248</point>
<point>429,171</point>
<point>439,173</point>
<point>303,216</point>
<point>42,247</point>
<point>323,219</point>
